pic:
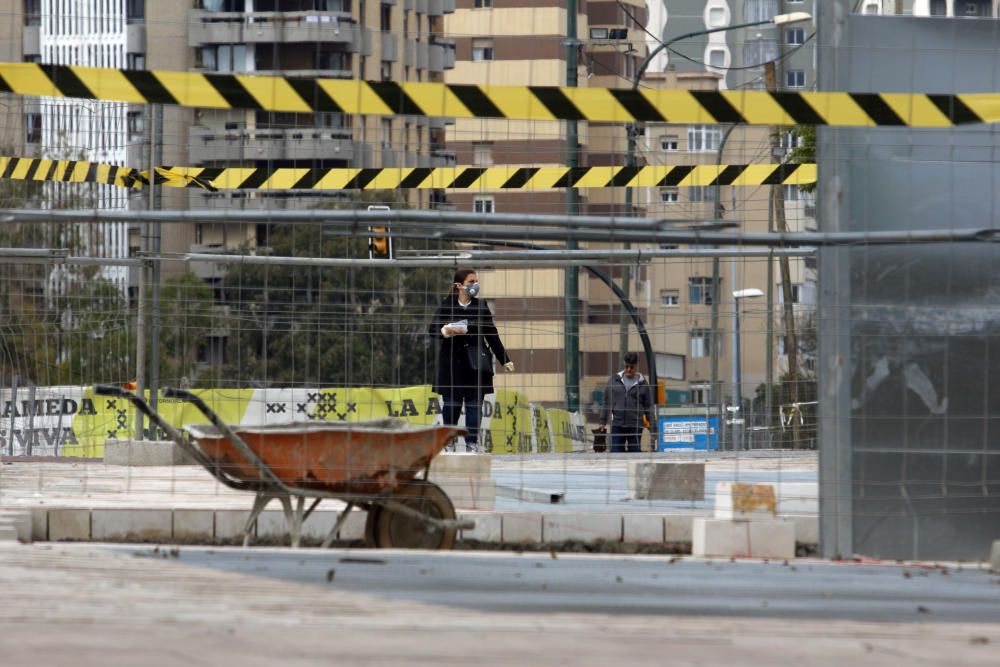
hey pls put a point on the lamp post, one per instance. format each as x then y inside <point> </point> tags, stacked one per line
<point>749,293</point>
<point>631,131</point>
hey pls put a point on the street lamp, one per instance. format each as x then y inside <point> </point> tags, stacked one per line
<point>749,293</point>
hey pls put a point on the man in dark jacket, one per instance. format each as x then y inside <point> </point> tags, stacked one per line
<point>627,402</point>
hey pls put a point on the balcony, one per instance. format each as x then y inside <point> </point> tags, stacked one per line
<point>440,7</point>
<point>389,50</point>
<point>270,27</point>
<point>251,145</point>
<point>442,55</point>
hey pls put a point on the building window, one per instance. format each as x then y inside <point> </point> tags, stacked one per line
<point>483,205</point>
<point>702,138</point>
<point>792,193</point>
<point>224,58</point>
<point>386,18</point>
<point>136,124</point>
<point>482,4</point>
<point>698,193</point>
<point>668,142</point>
<point>756,52</point>
<point>135,11</point>
<point>32,12</point>
<point>790,140</point>
<point>795,78</point>
<point>482,153</point>
<point>795,36</point>
<point>32,58</point>
<point>759,10</point>
<point>385,70</point>
<point>670,298</point>
<point>717,58</point>
<point>135,61</point>
<point>701,343</point>
<point>386,133</point>
<point>939,8</point>
<point>482,49</point>
<point>700,290</point>
<point>333,60</point>
<point>700,394</point>
<point>33,128</point>
<point>717,17</point>
<point>668,195</point>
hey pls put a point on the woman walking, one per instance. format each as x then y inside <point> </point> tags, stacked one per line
<point>469,342</point>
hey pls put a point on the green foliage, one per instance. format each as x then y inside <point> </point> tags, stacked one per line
<point>806,153</point>
<point>189,318</point>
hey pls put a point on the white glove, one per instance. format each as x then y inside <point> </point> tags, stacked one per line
<point>509,366</point>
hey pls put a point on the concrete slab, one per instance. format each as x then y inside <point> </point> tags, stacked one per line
<point>806,528</point>
<point>742,539</point>
<point>677,528</point>
<point>145,453</point>
<point>125,524</point>
<point>476,466</point>
<point>69,524</point>
<point>488,527</point>
<point>229,524</point>
<point>642,528</point>
<point>583,527</point>
<point>469,493</point>
<point>521,527</point>
<point>194,524</point>
<point>8,533</point>
<point>656,480</point>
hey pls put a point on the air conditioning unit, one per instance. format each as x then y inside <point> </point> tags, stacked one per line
<point>618,33</point>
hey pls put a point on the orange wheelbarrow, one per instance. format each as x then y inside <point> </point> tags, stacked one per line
<point>379,466</point>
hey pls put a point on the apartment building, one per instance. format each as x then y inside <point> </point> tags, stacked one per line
<point>736,55</point>
<point>953,8</point>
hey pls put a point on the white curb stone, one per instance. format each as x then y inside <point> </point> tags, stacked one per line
<point>521,528</point>
<point>642,528</point>
<point>69,524</point>
<point>744,539</point>
<point>584,527</point>
<point>124,524</point>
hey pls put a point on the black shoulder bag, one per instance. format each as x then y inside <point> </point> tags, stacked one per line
<point>480,359</point>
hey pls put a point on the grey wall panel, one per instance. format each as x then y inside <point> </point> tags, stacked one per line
<point>910,364</point>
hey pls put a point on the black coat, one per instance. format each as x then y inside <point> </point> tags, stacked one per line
<point>454,369</point>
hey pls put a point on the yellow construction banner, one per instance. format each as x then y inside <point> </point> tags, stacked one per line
<point>606,105</point>
<point>479,179</point>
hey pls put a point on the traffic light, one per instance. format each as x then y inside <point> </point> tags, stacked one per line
<point>379,243</point>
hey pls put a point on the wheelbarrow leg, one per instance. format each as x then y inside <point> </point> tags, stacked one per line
<point>293,517</point>
<point>260,501</point>
<point>332,535</point>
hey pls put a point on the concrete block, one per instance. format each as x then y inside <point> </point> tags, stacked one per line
<point>995,557</point>
<point>797,497</point>
<point>745,539</point>
<point>69,524</point>
<point>658,480</point>
<point>559,526</point>
<point>20,521</point>
<point>461,464</point>
<point>642,528</point>
<point>8,533</point>
<point>736,500</point>
<point>677,528</point>
<point>145,453</point>
<point>488,527</point>
<point>521,527</point>
<point>124,524</point>
<point>39,524</point>
<point>272,524</point>
<point>229,524</point>
<point>806,527</point>
<point>194,524</point>
<point>469,493</point>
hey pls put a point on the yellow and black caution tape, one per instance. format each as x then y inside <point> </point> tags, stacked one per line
<point>387,98</point>
<point>483,179</point>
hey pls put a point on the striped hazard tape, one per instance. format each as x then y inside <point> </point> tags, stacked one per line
<point>449,178</point>
<point>271,93</point>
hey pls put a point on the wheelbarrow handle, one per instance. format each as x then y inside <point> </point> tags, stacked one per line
<point>110,390</point>
<point>182,394</point>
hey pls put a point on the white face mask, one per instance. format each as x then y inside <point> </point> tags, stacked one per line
<point>472,290</point>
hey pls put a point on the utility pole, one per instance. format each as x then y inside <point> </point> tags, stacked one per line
<point>143,306</point>
<point>788,312</point>
<point>571,290</point>
<point>156,148</point>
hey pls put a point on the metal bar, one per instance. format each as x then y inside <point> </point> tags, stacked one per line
<point>341,520</point>
<point>534,227</point>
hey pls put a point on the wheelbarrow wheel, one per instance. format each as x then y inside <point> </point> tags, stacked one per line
<point>399,531</point>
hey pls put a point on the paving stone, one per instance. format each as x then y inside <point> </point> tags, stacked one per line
<point>522,527</point>
<point>488,527</point>
<point>194,524</point>
<point>590,527</point>
<point>145,453</point>
<point>642,528</point>
<point>69,524</point>
<point>657,480</point>
<point>765,538</point>
<point>124,524</point>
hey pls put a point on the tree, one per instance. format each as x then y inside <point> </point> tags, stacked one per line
<point>312,326</point>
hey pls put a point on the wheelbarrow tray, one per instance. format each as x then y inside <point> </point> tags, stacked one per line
<point>367,457</point>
